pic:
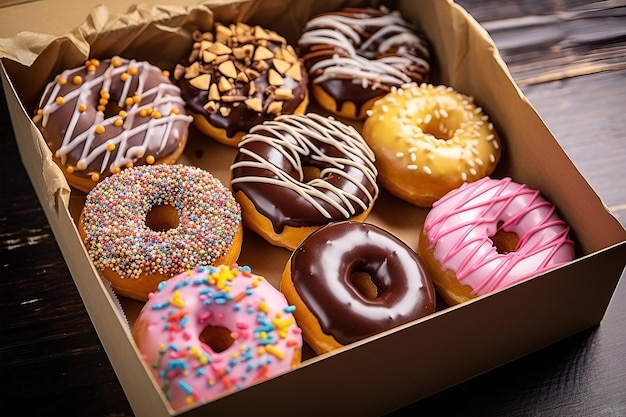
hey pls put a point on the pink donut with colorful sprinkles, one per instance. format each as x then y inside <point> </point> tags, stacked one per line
<point>213,330</point>
<point>152,222</point>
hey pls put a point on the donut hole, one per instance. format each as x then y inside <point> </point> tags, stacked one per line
<point>217,338</point>
<point>504,242</point>
<point>440,129</point>
<point>364,284</point>
<point>162,217</point>
<point>112,109</point>
<point>311,173</point>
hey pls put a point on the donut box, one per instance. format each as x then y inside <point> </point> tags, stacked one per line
<point>414,360</point>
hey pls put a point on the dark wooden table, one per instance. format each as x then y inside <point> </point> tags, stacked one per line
<point>568,56</point>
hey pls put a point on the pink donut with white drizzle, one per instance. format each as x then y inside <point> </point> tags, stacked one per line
<point>490,234</point>
<point>213,330</point>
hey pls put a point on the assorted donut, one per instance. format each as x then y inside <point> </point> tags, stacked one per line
<point>149,223</point>
<point>356,55</point>
<point>170,235</point>
<point>429,140</point>
<point>109,115</point>
<point>490,234</point>
<point>215,329</point>
<point>238,76</point>
<point>351,280</point>
<point>300,172</point>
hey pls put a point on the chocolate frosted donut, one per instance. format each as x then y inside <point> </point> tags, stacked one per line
<point>354,56</point>
<point>109,115</point>
<point>352,280</point>
<point>238,76</point>
<point>297,173</point>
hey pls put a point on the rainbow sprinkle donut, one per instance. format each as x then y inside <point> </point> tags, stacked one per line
<point>213,330</point>
<point>149,223</point>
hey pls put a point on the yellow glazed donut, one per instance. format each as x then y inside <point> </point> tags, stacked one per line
<point>429,140</point>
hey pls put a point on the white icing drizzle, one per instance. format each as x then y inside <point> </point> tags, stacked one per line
<point>162,98</point>
<point>307,130</point>
<point>361,62</point>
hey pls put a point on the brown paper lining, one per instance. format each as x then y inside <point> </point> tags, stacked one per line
<point>142,30</point>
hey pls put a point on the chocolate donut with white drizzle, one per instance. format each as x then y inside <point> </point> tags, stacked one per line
<point>354,56</point>
<point>109,115</point>
<point>300,172</point>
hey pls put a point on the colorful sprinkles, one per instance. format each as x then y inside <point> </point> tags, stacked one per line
<point>114,220</point>
<point>265,337</point>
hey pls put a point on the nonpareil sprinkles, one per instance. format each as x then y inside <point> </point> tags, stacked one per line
<point>118,238</point>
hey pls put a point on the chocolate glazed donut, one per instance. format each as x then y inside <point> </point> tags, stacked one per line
<point>356,55</point>
<point>324,275</point>
<point>238,76</point>
<point>273,170</point>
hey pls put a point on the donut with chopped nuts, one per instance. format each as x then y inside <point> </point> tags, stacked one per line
<point>355,55</point>
<point>238,76</point>
<point>108,115</point>
<point>152,222</point>
<point>429,140</point>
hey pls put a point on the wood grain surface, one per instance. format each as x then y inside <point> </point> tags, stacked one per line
<point>568,56</point>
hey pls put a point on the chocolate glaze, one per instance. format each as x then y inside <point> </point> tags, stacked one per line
<point>241,118</point>
<point>321,269</point>
<point>158,144</point>
<point>343,86</point>
<point>285,206</point>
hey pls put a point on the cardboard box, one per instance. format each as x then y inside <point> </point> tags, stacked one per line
<point>388,370</point>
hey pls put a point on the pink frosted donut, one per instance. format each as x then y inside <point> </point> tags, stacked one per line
<point>212,330</point>
<point>490,234</point>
